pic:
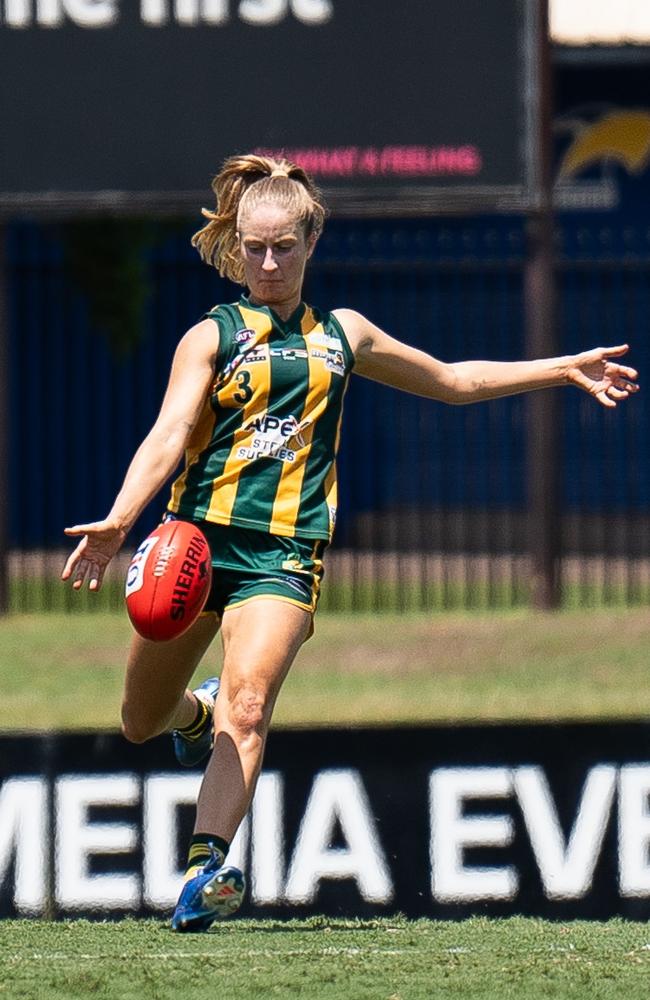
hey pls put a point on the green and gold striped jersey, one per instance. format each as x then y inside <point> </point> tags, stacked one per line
<point>262,454</point>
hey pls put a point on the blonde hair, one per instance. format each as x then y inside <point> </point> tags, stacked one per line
<point>243,183</point>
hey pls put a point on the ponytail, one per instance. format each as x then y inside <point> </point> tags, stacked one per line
<point>243,183</point>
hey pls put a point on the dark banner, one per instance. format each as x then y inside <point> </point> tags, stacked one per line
<point>546,820</point>
<point>136,103</point>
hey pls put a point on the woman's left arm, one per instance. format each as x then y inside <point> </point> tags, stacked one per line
<point>384,359</point>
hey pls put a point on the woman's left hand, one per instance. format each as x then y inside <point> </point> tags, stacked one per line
<point>597,374</point>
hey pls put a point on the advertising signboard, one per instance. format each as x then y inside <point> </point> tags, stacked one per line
<point>545,820</point>
<point>394,107</point>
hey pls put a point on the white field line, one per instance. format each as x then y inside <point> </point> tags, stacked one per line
<point>249,953</point>
<point>327,952</point>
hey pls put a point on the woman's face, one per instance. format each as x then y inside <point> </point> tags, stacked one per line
<point>274,251</point>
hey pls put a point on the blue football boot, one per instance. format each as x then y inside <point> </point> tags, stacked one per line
<point>190,749</point>
<point>213,893</point>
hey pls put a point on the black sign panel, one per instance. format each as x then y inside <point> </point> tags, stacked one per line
<point>544,820</point>
<point>394,106</point>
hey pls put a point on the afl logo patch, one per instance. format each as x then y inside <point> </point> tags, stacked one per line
<point>243,336</point>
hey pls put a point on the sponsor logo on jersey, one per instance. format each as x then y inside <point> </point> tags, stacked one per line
<point>253,355</point>
<point>263,448</point>
<point>335,362</point>
<point>288,353</point>
<point>246,356</point>
<point>274,437</point>
<point>231,367</point>
<point>326,340</point>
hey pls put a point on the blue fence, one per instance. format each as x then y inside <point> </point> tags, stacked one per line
<point>433,498</point>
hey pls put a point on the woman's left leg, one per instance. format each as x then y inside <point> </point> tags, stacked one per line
<point>261,639</point>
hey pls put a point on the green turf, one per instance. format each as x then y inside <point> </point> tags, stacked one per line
<point>65,671</point>
<point>321,959</point>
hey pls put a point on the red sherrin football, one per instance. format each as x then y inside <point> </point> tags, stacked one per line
<point>168,581</point>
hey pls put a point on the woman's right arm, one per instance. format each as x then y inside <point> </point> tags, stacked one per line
<point>159,454</point>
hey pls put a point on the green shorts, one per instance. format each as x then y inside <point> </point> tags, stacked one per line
<point>249,564</point>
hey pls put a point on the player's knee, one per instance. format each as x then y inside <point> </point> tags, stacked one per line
<point>247,712</point>
<point>135,730</point>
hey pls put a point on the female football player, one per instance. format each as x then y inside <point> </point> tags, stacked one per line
<point>254,400</point>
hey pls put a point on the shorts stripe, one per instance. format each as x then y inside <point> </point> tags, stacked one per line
<point>271,597</point>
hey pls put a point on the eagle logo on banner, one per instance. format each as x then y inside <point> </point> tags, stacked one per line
<point>618,136</point>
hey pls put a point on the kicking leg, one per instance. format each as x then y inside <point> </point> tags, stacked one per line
<point>155,690</point>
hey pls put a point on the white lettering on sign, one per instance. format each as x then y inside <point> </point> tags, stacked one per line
<point>91,13</point>
<point>163,794</point>
<point>566,867</point>
<point>338,803</point>
<point>313,11</point>
<point>24,835</point>
<point>263,11</point>
<point>157,13</point>
<point>17,13</point>
<point>566,870</point>
<point>186,12</point>
<point>338,797</point>
<point>634,830</point>
<point>77,839</point>
<point>267,839</point>
<point>452,881</point>
<point>53,13</point>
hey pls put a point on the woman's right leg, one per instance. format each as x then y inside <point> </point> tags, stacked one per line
<point>156,697</point>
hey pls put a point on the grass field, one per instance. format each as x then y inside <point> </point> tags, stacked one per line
<point>65,671</point>
<point>321,959</point>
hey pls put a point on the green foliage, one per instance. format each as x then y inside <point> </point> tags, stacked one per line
<point>106,261</point>
<point>326,959</point>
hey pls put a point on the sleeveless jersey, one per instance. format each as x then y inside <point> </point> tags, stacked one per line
<point>262,454</point>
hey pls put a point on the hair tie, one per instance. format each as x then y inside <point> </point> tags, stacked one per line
<point>279,172</point>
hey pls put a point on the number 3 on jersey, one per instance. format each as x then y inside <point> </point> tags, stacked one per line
<point>245,393</point>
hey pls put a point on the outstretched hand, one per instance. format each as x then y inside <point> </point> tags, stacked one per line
<point>101,540</point>
<point>597,374</point>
